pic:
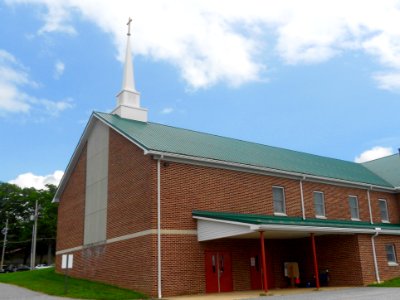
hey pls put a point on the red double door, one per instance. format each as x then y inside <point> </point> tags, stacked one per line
<point>256,275</point>
<point>218,271</point>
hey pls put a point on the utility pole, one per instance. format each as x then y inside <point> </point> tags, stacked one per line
<point>4,231</point>
<point>34,234</point>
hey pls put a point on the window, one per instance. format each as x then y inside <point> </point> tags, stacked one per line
<point>278,196</point>
<point>319,204</point>
<point>353,203</point>
<point>391,254</point>
<point>384,210</point>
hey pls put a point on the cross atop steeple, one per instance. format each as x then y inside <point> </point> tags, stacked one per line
<point>128,100</point>
<point>129,26</point>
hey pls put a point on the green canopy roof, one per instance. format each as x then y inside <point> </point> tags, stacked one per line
<point>162,138</point>
<point>297,221</point>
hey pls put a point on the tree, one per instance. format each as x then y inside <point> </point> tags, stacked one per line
<point>18,204</point>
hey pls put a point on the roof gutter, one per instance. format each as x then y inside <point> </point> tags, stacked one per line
<point>264,170</point>
<point>324,229</point>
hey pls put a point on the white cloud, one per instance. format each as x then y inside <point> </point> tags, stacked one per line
<point>167,110</point>
<point>13,99</point>
<point>37,181</point>
<point>374,153</point>
<point>388,81</point>
<point>224,41</point>
<point>59,68</point>
<point>57,16</point>
<point>12,75</point>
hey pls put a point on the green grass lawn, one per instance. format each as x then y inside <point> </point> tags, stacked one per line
<point>51,283</point>
<point>395,282</point>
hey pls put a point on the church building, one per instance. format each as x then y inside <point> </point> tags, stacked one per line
<point>169,211</point>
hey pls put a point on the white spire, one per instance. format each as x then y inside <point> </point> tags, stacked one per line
<point>129,79</point>
<point>128,100</point>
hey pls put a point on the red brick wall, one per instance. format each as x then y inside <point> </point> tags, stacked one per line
<point>385,271</point>
<point>71,209</point>
<point>185,188</point>
<point>392,204</point>
<point>341,256</point>
<point>131,202</point>
<point>184,266</point>
<point>126,264</point>
<point>130,188</point>
<point>183,263</point>
<point>336,201</point>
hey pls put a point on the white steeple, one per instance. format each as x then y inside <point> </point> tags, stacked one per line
<point>128,100</point>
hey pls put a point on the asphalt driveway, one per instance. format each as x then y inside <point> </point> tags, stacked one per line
<point>12,292</point>
<point>364,293</point>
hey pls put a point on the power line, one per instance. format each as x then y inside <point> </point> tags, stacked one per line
<point>28,241</point>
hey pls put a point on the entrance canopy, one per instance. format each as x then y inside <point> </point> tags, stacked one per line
<point>217,225</point>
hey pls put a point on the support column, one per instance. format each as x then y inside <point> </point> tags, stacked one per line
<point>316,273</point>
<point>264,261</point>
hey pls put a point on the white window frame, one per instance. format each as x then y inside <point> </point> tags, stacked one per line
<point>386,219</point>
<point>392,252</point>
<point>279,213</point>
<point>323,215</point>
<point>351,208</point>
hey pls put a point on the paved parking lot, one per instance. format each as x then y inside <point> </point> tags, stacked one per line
<point>364,293</point>
<point>330,293</point>
<point>12,292</point>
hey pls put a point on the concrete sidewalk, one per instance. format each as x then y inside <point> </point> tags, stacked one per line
<point>253,294</point>
<point>13,292</point>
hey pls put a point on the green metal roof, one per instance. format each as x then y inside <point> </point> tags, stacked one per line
<point>157,137</point>
<point>297,221</point>
<point>387,167</point>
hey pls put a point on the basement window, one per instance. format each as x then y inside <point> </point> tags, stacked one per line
<point>384,210</point>
<point>319,204</point>
<point>278,195</point>
<point>353,203</point>
<point>391,255</point>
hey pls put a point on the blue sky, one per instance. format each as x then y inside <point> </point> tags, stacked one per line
<point>324,80</point>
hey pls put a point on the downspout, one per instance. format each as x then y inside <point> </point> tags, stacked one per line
<point>159,228</point>
<point>377,230</point>
<point>302,198</point>
<point>369,206</point>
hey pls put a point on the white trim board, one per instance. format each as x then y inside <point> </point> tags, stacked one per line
<point>129,237</point>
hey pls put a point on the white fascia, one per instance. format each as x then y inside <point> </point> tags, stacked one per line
<point>303,228</point>
<point>251,226</point>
